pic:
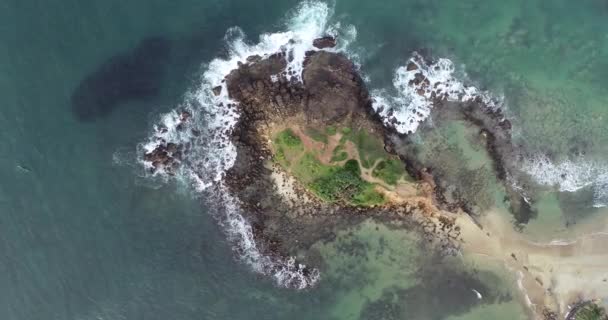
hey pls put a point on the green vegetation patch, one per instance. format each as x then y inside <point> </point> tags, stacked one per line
<point>339,154</point>
<point>331,130</point>
<point>370,147</point>
<point>344,184</point>
<point>346,130</point>
<point>336,183</point>
<point>368,196</point>
<point>281,158</point>
<point>288,138</point>
<point>309,169</point>
<point>591,311</point>
<point>390,170</point>
<point>287,146</point>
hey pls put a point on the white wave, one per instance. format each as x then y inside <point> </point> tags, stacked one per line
<point>285,272</point>
<point>205,136</point>
<point>479,296</point>
<point>418,86</point>
<point>213,117</point>
<point>345,35</point>
<point>571,176</point>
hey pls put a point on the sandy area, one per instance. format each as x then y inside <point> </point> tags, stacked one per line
<point>287,187</point>
<point>553,274</point>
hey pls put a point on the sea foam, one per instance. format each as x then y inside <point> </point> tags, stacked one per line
<point>571,176</point>
<point>413,101</point>
<point>205,137</point>
<point>286,272</point>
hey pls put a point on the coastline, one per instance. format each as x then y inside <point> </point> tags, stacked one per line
<point>286,218</point>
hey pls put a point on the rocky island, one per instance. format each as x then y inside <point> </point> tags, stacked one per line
<point>313,154</point>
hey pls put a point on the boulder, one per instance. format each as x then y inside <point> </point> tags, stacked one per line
<point>324,42</point>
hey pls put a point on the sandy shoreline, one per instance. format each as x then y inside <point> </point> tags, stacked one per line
<point>553,274</point>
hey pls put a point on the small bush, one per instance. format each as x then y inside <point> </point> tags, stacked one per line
<point>368,197</point>
<point>280,157</point>
<point>311,166</point>
<point>341,156</point>
<point>591,312</point>
<point>389,170</point>
<point>288,138</point>
<point>344,184</point>
<point>330,130</point>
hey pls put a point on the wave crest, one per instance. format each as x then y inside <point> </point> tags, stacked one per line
<point>418,85</point>
<point>571,176</point>
<point>286,272</point>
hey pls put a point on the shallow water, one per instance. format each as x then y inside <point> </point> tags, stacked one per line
<point>83,235</point>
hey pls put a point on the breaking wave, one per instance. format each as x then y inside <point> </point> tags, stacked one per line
<point>202,124</point>
<point>418,85</point>
<point>571,176</point>
<point>285,272</point>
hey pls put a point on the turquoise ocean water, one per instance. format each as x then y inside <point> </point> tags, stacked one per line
<point>84,234</point>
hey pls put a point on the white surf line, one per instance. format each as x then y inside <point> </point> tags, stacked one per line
<point>417,85</point>
<point>570,175</point>
<point>210,152</point>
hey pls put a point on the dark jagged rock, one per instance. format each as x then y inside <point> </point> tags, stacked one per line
<point>334,88</point>
<point>124,77</point>
<point>167,155</point>
<point>324,42</point>
<point>217,90</point>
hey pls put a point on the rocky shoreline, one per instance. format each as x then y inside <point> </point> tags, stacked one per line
<point>331,92</point>
<point>287,219</point>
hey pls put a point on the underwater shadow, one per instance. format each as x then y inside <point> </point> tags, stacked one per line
<point>132,75</point>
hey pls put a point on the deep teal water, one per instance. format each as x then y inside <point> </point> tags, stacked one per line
<point>85,237</point>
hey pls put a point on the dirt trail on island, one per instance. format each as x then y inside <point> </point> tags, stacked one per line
<point>402,192</point>
<point>553,274</point>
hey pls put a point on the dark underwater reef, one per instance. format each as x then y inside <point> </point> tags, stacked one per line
<point>132,75</point>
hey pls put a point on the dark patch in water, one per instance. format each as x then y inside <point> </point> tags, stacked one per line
<point>576,205</point>
<point>435,298</point>
<point>134,75</point>
<point>523,211</point>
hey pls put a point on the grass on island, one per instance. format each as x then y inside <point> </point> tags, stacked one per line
<point>370,147</point>
<point>287,143</point>
<point>339,154</point>
<point>340,181</point>
<point>344,184</point>
<point>288,138</point>
<point>341,184</point>
<point>390,171</point>
<point>591,312</point>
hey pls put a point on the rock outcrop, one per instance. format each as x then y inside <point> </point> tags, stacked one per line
<point>331,93</point>
<point>324,42</point>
